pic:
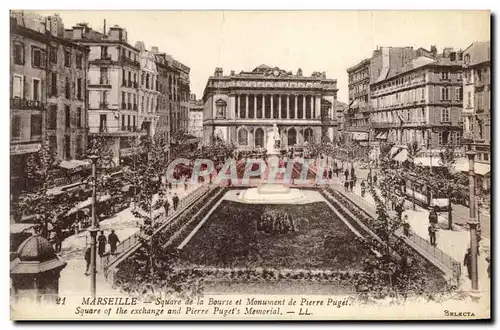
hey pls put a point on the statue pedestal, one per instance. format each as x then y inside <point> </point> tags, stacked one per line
<point>271,191</point>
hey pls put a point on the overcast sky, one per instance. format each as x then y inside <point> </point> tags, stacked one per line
<point>328,41</point>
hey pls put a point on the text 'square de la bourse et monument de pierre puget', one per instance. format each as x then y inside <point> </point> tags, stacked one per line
<point>241,108</point>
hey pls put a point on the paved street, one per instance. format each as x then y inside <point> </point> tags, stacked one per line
<point>73,281</point>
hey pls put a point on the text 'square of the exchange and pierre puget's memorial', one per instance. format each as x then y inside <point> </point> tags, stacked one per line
<point>180,165</point>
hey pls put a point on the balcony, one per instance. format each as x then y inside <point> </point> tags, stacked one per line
<point>129,61</point>
<point>103,105</point>
<point>130,84</point>
<point>381,124</point>
<point>18,103</point>
<point>104,59</point>
<point>104,82</point>
<point>117,131</point>
<point>129,106</point>
<point>135,106</point>
<point>124,106</point>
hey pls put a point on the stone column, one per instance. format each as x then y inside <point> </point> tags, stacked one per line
<point>272,107</point>
<point>303,107</point>
<point>288,107</point>
<point>264,107</point>
<point>296,108</point>
<point>279,106</point>
<point>232,107</point>
<point>246,107</point>
<point>313,114</point>
<point>318,107</point>
<point>255,106</point>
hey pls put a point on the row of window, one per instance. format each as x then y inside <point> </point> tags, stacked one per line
<point>259,137</point>
<point>415,95</point>
<point>23,88</point>
<point>409,116</point>
<point>35,126</point>
<point>38,57</point>
<point>76,121</point>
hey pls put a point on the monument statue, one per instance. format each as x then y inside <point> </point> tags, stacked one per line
<point>273,140</point>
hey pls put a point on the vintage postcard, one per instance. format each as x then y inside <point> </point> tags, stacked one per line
<point>250,165</point>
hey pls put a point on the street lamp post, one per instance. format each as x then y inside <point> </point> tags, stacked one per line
<point>473,223</point>
<point>93,230</point>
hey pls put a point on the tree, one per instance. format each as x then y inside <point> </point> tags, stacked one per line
<point>151,197</point>
<point>447,158</point>
<point>46,206</point>
<point>413,148</point>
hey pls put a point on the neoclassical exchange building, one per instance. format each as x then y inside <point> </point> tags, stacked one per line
<point>239,108</point>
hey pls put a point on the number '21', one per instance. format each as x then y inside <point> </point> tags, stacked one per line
<point>61,301</point>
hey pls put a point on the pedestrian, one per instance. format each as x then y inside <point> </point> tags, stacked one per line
<point>375,180</point>
<point>169,184</point>
<point>101,240</point>
<point>166,206</point>
<point>406,226</point>
<point>58,237</point>
<point>468,263</point>
<point>363,188</point>
<point>87,260</point>
<point>432,234</point>
<point>433,217</point>
<point>346,174</point>
<point>352,171</point>
<point>330,174</point>
<point>175,200</point>
<point>113,241</point>
<point>186,184</point>
<point>400,209</point>
<point>488,260</point>
<point>346,185</point>
<point>369,177</point>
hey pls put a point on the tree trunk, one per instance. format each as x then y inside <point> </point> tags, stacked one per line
<point>450,218</point>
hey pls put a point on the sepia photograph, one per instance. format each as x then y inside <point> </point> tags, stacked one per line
<point>250,165</point>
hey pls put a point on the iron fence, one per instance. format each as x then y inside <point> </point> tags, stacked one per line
<point>133,240</point>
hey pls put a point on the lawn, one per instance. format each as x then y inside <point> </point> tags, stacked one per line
<point>229,238</point>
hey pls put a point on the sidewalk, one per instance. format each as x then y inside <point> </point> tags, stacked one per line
<point>460,213</point>
<point>73,281</point>
<point>454,243</point>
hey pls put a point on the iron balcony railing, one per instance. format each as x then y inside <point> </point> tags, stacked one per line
<point>18,103</point>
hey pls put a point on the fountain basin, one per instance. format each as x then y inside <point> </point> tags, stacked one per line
<point>271,193</point>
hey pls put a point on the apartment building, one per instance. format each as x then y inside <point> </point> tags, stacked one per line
<point>47,93</point>
<point>113,86</point>
<point>477,107</point>
<point>422,101</point>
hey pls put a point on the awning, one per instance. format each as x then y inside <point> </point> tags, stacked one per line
<point>426,161</point>
<point>402,156</point>
<point>87,203</point>
<point>393,151</point>
<point>17,228</point>
<point>360,136</point>
<point>381,136</point>
<point>74,164</point>
<point>462,165</point>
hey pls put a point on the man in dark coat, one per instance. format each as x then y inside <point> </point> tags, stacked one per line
<point>433,217</point>
<point>101,240</point>
<point>167,207</point>
<point>375,180</point>
<point>58,237</point>
<point>175,200</point>
<point>87,260</point>
<point>330,174</point>
<point>468,263</point>
<point>352,172</point>
<point>113,241</point>
<point>432,235</point>
<point>346,174</point>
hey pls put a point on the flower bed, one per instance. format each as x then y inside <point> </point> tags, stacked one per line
<point>230,238</point>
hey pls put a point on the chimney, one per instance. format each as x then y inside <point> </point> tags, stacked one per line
<point>433,50</point>
<point>77,32</point>
<point>104,30</point>
<point>154,50</point>
<point>232,73</point>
